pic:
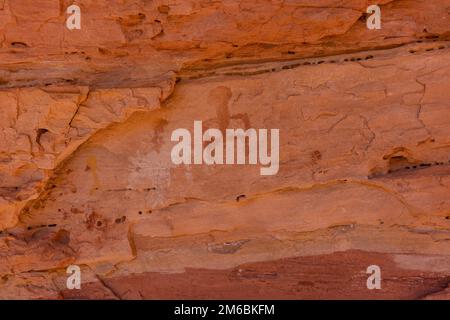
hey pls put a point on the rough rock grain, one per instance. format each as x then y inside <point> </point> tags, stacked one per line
<point>85,170</point>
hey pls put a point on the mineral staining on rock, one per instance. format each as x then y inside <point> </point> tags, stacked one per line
<point>86,176</point>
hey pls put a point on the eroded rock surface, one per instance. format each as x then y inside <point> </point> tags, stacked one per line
<point>86,176</point>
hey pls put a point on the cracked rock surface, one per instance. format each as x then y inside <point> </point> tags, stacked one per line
<point>86,176</point>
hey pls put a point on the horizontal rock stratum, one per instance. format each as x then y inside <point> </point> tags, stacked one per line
<point>86,176</point>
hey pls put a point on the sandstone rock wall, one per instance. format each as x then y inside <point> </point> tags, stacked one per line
<point>86,176</point>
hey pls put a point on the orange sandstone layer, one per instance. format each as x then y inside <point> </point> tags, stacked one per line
<point>86,176</point>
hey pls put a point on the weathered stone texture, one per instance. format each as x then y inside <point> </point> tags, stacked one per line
<point>86,176</point>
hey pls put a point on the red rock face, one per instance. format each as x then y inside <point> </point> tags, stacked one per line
<point>87,178</point>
